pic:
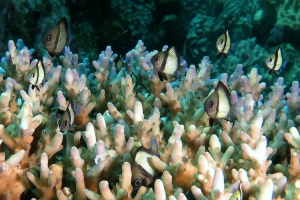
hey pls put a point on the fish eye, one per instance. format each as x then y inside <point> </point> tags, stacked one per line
<point>138,182</point>
<point>32,75</point>
<point>157,58</point>
<point>221,41</point>
<point>271,59</point>
<point>211,104</point>
<point>50,37</point>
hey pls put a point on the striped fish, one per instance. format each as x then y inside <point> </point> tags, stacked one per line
<point>167,64</point>
<point>56,38</point>
<point>142,172</point>
<point>275,62</point>
<point>36,75</point>
<point>217,105</point>
<point>224,46</point>
<point>67,119</point>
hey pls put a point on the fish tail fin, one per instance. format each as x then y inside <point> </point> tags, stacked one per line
<point>70,39</point>
<point>285,63</point>
<point>233,46</point>
<point>232,49</point>
<point>154,145</point>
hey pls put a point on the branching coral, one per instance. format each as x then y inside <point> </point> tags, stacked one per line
<point>116,113</point>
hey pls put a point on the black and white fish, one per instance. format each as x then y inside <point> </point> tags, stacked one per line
<point>36,75</point>
<point>168,64</point>
<point>66,119</point>
<point>142,171</point>
<point>224,45</point>
<point>275,62</point>
<point>56,38</point>
<point>217,105</point>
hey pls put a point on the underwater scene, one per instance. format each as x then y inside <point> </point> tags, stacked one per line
<point>144,100</point>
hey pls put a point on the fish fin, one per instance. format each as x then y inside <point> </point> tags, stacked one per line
<point>154,146</point>
<point>70,39</point>
<point>227,118</point>
<point>211,122</point>
<point>219,55</point>
<point>221,86</point>
<point>162,76</point>
<point>173,52</point>
<point>225,55</point>
<point>270,72</point>
<point>218,122</point>
<point>233,46</point>
<point>35,86</point>
<point>283,65</point>
<point>51,54</point>
<point>176,75</point>
<point>64,21</point>
<point>77,109</point>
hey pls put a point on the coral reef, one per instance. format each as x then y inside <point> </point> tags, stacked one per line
<point>114,114</point>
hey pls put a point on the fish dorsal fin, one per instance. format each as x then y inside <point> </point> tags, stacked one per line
<point>172,52</point>
<point>222,88</point>
<point>63,22</point>
<point>62,39</point>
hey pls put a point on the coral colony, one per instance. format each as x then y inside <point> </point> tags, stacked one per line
<point>75,130</point>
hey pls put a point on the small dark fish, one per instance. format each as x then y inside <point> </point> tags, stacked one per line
<point>238,194</point>
<point>66,120</point>
<point>275,62</point>
<point>224,46</point>
<point>167,64</point>
<point>217,105</point>
<point>36,75</point>
<point>133,78</point>
<point>142,171</point>
<point>121,64</point>
<point>56,38</point>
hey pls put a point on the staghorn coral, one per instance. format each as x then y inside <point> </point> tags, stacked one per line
<point>114,115</point>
